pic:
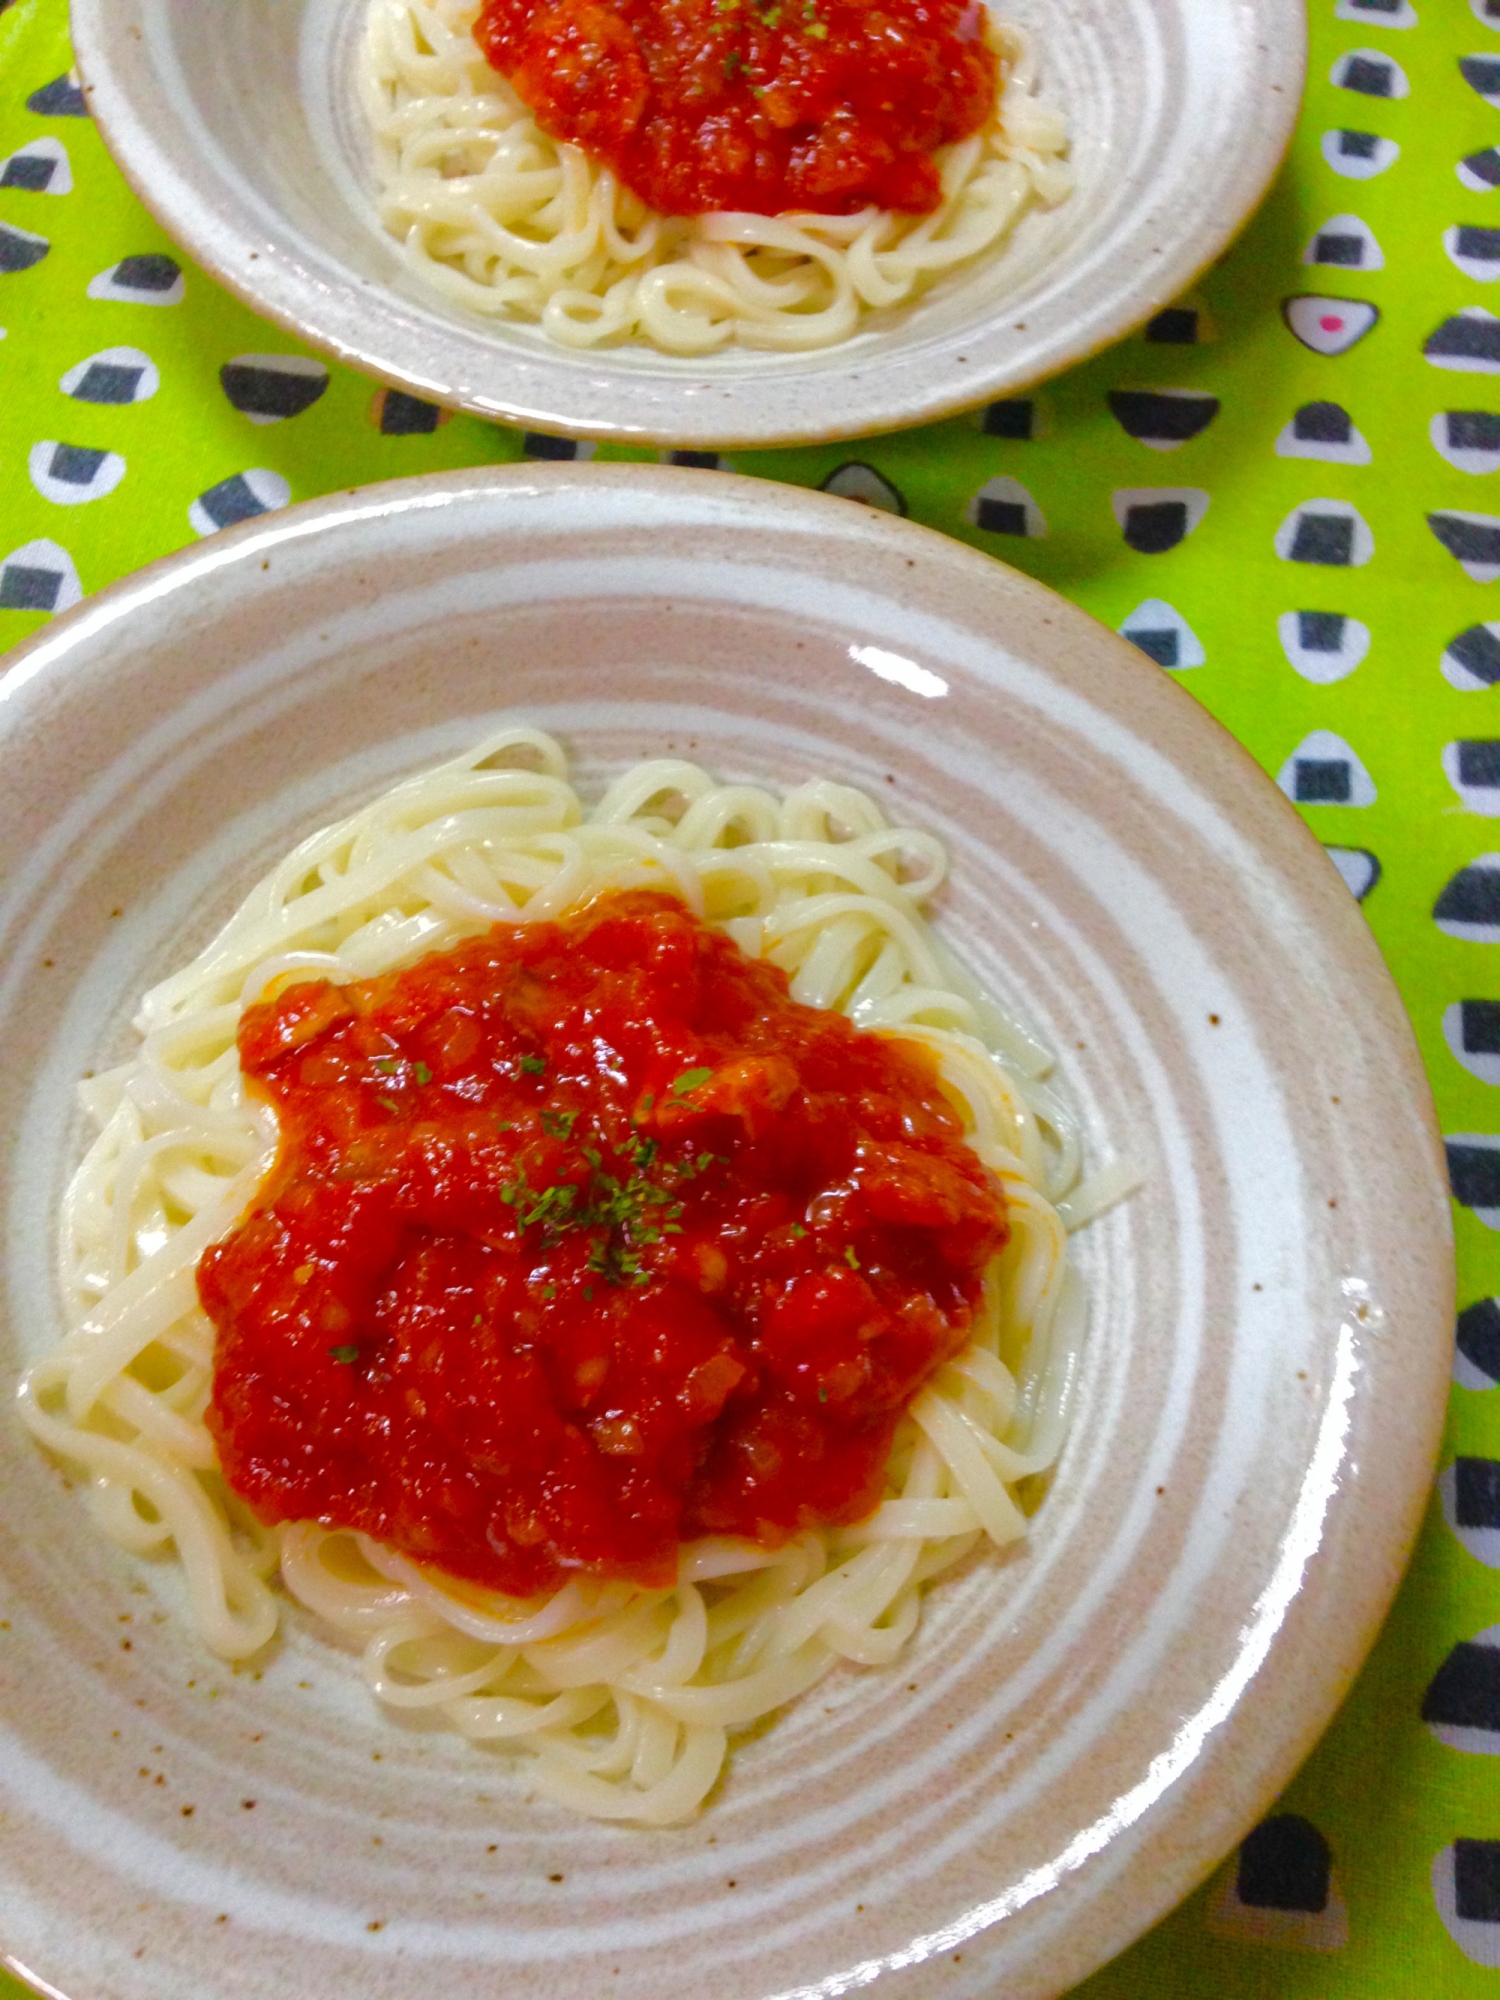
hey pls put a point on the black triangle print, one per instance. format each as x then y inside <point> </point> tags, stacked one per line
<point>1465,1692</point>
<point>20,249</point>
<point>1478,1337</point>
<point>1012,417</point>
<point>1165,417</point>
<point>1482,74</point>
<point>1285,1864</point>
<point>62,98</point>
<point>1468,339</point>
<point>1476,1880</point>
<point>270,387</point>
<point>1474,1177</point>
<point>854,480</point>
<point>396,414</point>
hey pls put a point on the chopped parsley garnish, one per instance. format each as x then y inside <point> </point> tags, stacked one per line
<point>624,1207</point>
<point>798,1230</point>
<point>851,1256</point>
<point>691,1079</point>
<point>386,1065</point>
<point>424,1074</point>
<point>389,1103</point>
<point>534,1065</point>
<point>732,62</point>
<point>344,1353</point>
<point>559,1124</point>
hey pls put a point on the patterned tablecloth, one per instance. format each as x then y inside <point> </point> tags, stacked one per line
<point>1280,491</point>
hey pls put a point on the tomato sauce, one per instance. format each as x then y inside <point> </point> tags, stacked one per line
<point>755,105</point>
<point>582,1240</point>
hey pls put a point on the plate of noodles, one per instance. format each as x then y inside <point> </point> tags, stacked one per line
<point>728,222</point>
<point>726,1263</point>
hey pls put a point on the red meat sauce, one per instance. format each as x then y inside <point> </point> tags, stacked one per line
<point>756,105</point>
<point>582,1240</point>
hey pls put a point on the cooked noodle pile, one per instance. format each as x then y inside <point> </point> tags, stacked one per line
<point>501,218</point>
<point>624,1697</point>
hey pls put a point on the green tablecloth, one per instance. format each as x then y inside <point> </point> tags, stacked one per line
<point>1280,490</point>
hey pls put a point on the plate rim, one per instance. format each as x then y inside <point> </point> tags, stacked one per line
<point>105,44</point>
<point>46,655</point>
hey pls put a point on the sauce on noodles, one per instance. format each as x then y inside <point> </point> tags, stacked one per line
<point>584,1239</point>
<point>761,106</point>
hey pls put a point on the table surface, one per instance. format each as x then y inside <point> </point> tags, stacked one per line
<point>1314,435</point>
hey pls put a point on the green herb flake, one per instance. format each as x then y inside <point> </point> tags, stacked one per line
<point>798,1230</point>
<point>733,62</point>
<point>588,1292</point>
<point>559,1124</point>
<point>386,1065</point>
<point>691,1079</point>
<point>549,1292</point>
<point>424,1074</point>
<point>344,1353</point>
<point>389,1103</point>
<point>851,1256</point>
<point>822,1395</point>
<point>534,1065</point>
<point>817,31</point>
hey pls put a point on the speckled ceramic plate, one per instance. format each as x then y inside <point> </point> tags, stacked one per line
<point>236,124</point>
<point>1079,1730</point>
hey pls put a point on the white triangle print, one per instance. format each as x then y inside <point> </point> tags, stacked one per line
<point>1477,1053</point>
<point>1163,635</point>
<point>1468,439</point>
<point>1331,534</point>
<point>1471,660</point>
<point>1346,243</point>
<point>1473,540</point>
<point>1323,430</point>
<point>1323,646</point>
<point>1468,340</point>
<point>39,576</point>
<point>1329,326</point>
<point>1359,156</point>
<point>1475,251</point>
<point>1377,13</point>
<point>39,167</point>
<point>1370,73</point>
<point>1005,507</point>
<point>1324,771</point>
<point>1480,172</point>
<point>1472,768</point>
<point>1358,869</point>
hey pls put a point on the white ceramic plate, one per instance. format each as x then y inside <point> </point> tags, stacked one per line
<point>1079,1731</point>
<point>237,126</point>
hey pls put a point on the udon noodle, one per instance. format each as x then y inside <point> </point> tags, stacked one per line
<point>624,1698</point>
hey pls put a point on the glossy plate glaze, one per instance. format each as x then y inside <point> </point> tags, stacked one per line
<point>236,124</point>
<point>1081,1729</point>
